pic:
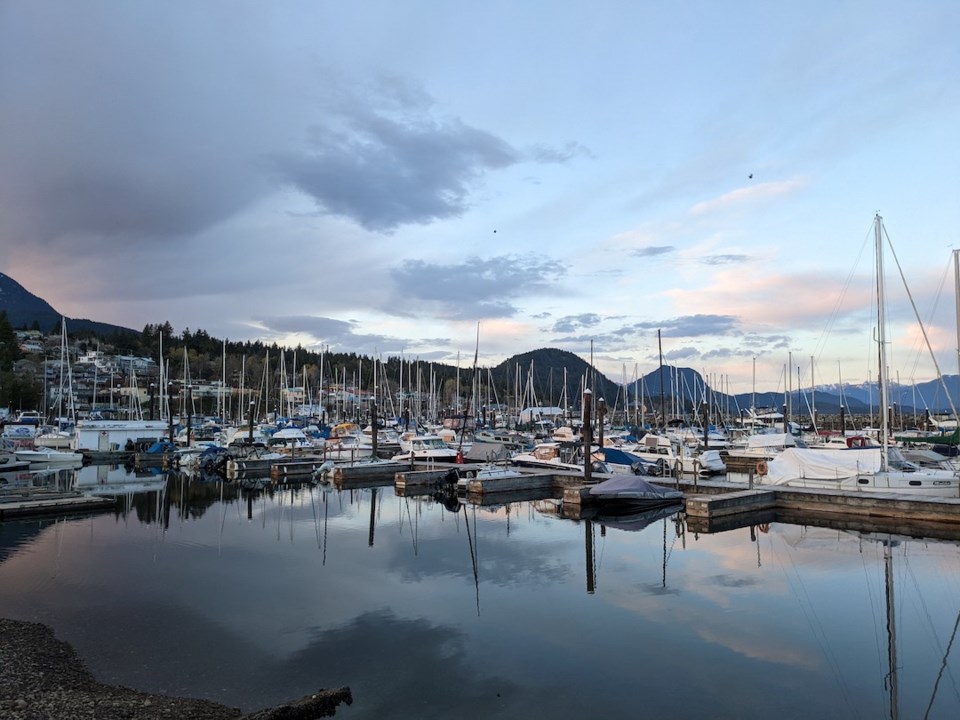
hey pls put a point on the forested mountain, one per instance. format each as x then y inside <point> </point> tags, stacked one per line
<point>28,312</point>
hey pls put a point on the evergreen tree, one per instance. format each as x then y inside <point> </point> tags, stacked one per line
<point>9,348</point>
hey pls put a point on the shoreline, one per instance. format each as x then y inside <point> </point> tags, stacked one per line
<point>44,678</point>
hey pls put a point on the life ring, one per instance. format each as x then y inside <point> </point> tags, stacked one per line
<point>762,467</point>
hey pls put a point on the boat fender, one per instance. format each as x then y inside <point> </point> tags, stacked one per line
<point>762,467</point>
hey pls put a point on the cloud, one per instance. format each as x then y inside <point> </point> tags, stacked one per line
<point>724,259</point>
<point>744,196</point>
<point>572,322</point>
<point>632,335</point>
<point>102,138</point>
<point>325,331</point>
<point>773,299</point>
<point>684,353</point>
<point>550,155</point>
<point>383,171</point>
<point>653,250</point>
<point>473,289</point>
<point>692,325</point>
<point>163,141</point>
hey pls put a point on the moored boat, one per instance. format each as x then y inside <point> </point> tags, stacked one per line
<point>634,491</point>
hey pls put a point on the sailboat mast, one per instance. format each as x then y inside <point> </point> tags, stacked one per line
<point>882,344</point>
<point>663,416</point>
<point>956,296</point>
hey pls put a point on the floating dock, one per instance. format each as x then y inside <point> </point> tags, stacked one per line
<point>710,505</point>
<point>36,504</point>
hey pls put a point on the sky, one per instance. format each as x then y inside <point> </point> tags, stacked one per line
<point>401,178</point>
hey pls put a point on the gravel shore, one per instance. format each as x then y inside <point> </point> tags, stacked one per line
<point>43,678</point>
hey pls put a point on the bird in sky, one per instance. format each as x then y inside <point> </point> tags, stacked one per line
<point>750,176</point>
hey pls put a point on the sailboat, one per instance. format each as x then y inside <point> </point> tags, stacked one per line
<point>876,469</point>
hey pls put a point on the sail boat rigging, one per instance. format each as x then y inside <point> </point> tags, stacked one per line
<point>882,469</point>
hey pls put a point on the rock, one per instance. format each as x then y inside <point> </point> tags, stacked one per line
<point>48,671</point>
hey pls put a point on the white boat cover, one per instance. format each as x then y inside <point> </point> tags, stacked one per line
<point>771,440</point>
<point>794,463</point>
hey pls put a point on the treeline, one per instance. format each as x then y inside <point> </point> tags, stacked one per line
<point>195,355</point>
<point>20,392</point>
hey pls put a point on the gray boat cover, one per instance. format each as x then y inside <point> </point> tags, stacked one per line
<point>635,489</point>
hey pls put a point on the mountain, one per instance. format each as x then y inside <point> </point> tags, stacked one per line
<point>24,310</point>
<point>544,371</point>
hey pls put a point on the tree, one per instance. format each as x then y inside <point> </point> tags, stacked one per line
<point>18,391</point>
<point>9,348</point>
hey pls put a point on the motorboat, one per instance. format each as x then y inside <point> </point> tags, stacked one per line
<point>424,448</point>
<point>620,461</point>
<point>552,455</point>
<point>10,463</point>
<point>47,457</point>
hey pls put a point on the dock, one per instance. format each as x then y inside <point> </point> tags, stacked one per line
<point>294,468</point>
<point>709,505</point>
<point>366,475</point>
<point>37,504</point>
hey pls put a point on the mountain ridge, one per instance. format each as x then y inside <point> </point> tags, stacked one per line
<point>540,375</point>
<point>26,310</point>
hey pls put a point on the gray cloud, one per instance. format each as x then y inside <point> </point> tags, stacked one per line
<point>629,336</point>
<point>768,342</point>
<point>684,353</point>
<point>653,250</point>
<point>572,322</point>
<point>132,145</point>
<point>475,288</point>
<point>383,172</point>
<point>547,154</point>
<point>692,325</point>
<point>338,334</point>
<point>723,259</point>
<point>722,354</point>
<point>165,140</point>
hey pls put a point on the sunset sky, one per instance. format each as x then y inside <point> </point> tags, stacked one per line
<point>380,177</point>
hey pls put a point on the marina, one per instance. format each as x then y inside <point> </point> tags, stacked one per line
<point>353,365</point>
<point>378,581</point>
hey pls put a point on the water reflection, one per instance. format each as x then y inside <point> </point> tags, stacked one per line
<point>258,593</point>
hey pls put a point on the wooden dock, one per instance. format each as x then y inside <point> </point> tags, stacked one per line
<point>732,503</point>
<point>366,475</point>
<point>37,504</point>
<point>833,502</point>
<point>294,468</point>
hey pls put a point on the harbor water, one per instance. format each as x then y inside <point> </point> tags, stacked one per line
<point>256,596</point>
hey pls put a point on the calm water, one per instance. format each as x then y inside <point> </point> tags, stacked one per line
<point>253,598</point>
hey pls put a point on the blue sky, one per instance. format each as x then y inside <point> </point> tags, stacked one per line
<point>381,177</point>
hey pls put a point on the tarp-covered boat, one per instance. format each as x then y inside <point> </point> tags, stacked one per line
<point>634,490</point>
